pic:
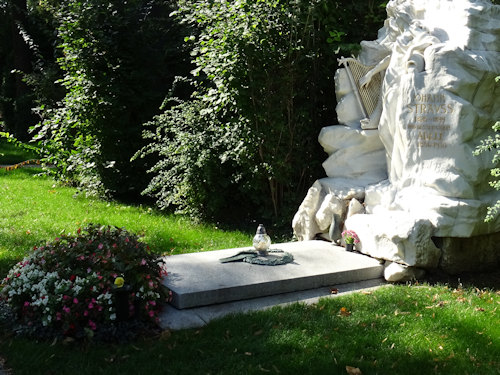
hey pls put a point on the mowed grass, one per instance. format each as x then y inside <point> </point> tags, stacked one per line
<point>36,209</point>
<point>418,329</point>
<point>401,329</point>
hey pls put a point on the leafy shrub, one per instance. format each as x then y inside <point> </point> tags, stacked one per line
<point>67,287</point>
<point>492,143</point>
<point>263,88</point>
<point>118,61</point>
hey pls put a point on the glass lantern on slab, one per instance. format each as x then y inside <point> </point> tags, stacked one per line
<point>261,241</point>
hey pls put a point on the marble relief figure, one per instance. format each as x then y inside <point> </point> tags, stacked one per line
<point>412,108</point>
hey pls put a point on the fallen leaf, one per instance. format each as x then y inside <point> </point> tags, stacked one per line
<point>353,370</point>
<point>366,293</point>
<point>68,340</point>
<point>248,353</point>
<point>334,291</point>
<point>165,334</point>
<point>479,309</point>
<point>258,333</point>
<point>397,312</point>
<point>344,312</point>
<point>263,369</point>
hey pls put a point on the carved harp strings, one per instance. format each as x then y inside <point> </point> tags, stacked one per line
<point>367,96</point>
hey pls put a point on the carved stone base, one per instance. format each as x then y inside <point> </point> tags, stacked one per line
<point>472,254</point>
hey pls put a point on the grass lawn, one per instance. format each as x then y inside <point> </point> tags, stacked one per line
<point>35,209</point>
<point>402,329</point>
<point>419,329</point>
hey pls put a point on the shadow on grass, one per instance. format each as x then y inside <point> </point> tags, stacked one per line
<point>484,279</point>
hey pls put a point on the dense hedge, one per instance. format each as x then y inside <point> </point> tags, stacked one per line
<point>118,59</point>
<point>245,142</point>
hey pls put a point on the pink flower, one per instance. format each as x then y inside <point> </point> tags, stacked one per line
<point>58,316</point>
<point>92,325</point>
<point>85,313</point>
<point>151,284</point>
<point>143,262</point>
<point>75,300</point>
<point>100,246</point>
<point>66,309</point>
<point>91,305</point>
<point>151,313</point>
<point>26,304</point>
<point>152,303</point>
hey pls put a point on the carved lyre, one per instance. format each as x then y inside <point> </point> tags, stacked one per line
<point>367,96</point>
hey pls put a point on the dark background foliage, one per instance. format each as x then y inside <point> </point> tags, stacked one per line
<point>263,88</point>
<point>236,139</point>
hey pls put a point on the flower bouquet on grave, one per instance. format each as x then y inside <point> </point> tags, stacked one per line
<point>350,238</point>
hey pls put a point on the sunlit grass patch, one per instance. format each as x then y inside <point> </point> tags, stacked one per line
<point>34,209</point>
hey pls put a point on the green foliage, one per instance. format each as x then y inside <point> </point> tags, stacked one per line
<point>490,144</point>
<point>262,89</point>
<point>69,286</point>
<point>118,60</point>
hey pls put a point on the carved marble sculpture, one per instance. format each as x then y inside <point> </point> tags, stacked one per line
<point>410,160</point>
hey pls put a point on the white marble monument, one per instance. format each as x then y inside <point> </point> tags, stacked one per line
<point>400,170</point>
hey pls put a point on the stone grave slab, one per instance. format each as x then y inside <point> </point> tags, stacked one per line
<point>199,279</point>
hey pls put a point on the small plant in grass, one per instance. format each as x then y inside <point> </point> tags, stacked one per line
<point>81,285</point>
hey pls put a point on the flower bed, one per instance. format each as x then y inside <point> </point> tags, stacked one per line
<point>81,285</point>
